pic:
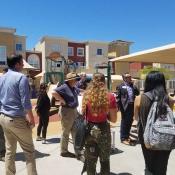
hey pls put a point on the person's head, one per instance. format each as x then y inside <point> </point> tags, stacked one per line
<point>72,78</point>
<point>127,77</point>
<point>83,75</point>
<point>98,79</point>
<point>154,79</point>
<point>96,94</point>
<point>155,82</point>
<point>5,70</point>
<point>15,62</point>
<point>43,87</point>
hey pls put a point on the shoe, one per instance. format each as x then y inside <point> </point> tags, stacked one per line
<point>39,138</point>
<point>126,142</point>
<point>44,141</point>
<point>2,158</point>
<point>81,157</point>
<point>68,154</point>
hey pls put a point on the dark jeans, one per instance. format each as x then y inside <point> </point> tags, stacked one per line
<point>43,123</point>
<point>126,121</point>
<point>155,161</point>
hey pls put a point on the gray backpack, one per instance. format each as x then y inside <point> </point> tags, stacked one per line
<point>159,131</point>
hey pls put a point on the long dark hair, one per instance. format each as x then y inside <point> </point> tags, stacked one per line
<point>155,83</point>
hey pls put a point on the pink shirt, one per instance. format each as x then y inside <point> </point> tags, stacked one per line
<point>102,117</point>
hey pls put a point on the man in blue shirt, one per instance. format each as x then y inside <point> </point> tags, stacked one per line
<point>67,94</point>
<point>16,115</point>
<point>2,139</point>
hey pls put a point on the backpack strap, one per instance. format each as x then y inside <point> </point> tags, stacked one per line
<point>149,95</point>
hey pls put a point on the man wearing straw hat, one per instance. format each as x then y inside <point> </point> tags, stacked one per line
<point>67,95</point>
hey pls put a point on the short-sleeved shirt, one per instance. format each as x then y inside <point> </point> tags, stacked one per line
<point>69,94</point>
<point>102,117</point>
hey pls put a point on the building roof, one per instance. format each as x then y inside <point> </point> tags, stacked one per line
<point>121,41</point>
<point>53,38</point>
<point>7,30</point>
<point>164,54</point>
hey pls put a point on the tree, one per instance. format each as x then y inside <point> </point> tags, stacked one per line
<point>143,72</point>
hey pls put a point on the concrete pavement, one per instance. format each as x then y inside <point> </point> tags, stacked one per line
<point>128,160</point>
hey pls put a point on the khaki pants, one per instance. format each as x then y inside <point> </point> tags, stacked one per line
<point>17,129</point>
<point>68,116</point>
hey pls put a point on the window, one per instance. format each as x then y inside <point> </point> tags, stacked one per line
<point>70,51</point>
<point>3,56</point>
<point>80,51</point>
<point>55,47</point>
<point>99,52</point>
<point>34,61</point>
<point>18,47</point>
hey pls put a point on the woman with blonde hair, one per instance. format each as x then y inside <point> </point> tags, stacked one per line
<point>99,107</point>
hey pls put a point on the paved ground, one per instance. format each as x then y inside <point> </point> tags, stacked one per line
<point>127,161</point>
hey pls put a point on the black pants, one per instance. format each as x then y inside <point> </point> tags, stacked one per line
<point>126,121</point>
<point>155,161</point>
<point>43,123</point>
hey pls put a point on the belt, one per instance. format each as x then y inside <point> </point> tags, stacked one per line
<point>68,107</point>
<point>7,115</point>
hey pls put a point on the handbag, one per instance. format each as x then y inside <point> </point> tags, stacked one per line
<point>81,128</point>
<point>159,132</point>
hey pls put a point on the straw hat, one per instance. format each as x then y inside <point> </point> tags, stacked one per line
<point>71,76</point>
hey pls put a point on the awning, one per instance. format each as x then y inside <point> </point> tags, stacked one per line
<point>40,74</point>
<point>164,54</point>
<point>27,65</point>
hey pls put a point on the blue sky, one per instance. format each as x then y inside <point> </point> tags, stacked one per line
<point>148,23</point>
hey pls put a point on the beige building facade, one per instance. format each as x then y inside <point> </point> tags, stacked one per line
<point>48,45</point>
<point>119,48</point>
<point>10,43</point>
<point>96,54</point>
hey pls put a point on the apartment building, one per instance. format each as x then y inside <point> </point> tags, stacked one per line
<point>63,55</point>
<point>10,43</point>
<point>119,48</point>
<point>96,54</point>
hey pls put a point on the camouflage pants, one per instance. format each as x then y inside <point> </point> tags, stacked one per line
<point>98,148</point>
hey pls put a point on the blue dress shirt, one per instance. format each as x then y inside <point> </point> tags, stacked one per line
<point>14,94</point>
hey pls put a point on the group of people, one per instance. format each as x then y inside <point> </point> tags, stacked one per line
<point>99,106</point>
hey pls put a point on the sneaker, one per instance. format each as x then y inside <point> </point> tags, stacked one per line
<point>44,141</point>
<point>68,154</point>
<point>39,138</point>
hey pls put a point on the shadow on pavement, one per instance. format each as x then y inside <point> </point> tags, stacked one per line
<point>123,174</point>
<point>113,173</point>
<point>116,151</point>
<point>20,155</point>
<point>53,140</point>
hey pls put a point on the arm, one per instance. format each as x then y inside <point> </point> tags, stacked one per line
<point>113,115</point>
<point>112,109</point>
<point>136,107</point>
<point>171,102</point>
<point>25,99</point>
<point>58,97</point>
<point>136,90</point>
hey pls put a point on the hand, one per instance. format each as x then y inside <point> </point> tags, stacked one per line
<point>31,122</point>
<point>62,102</point>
